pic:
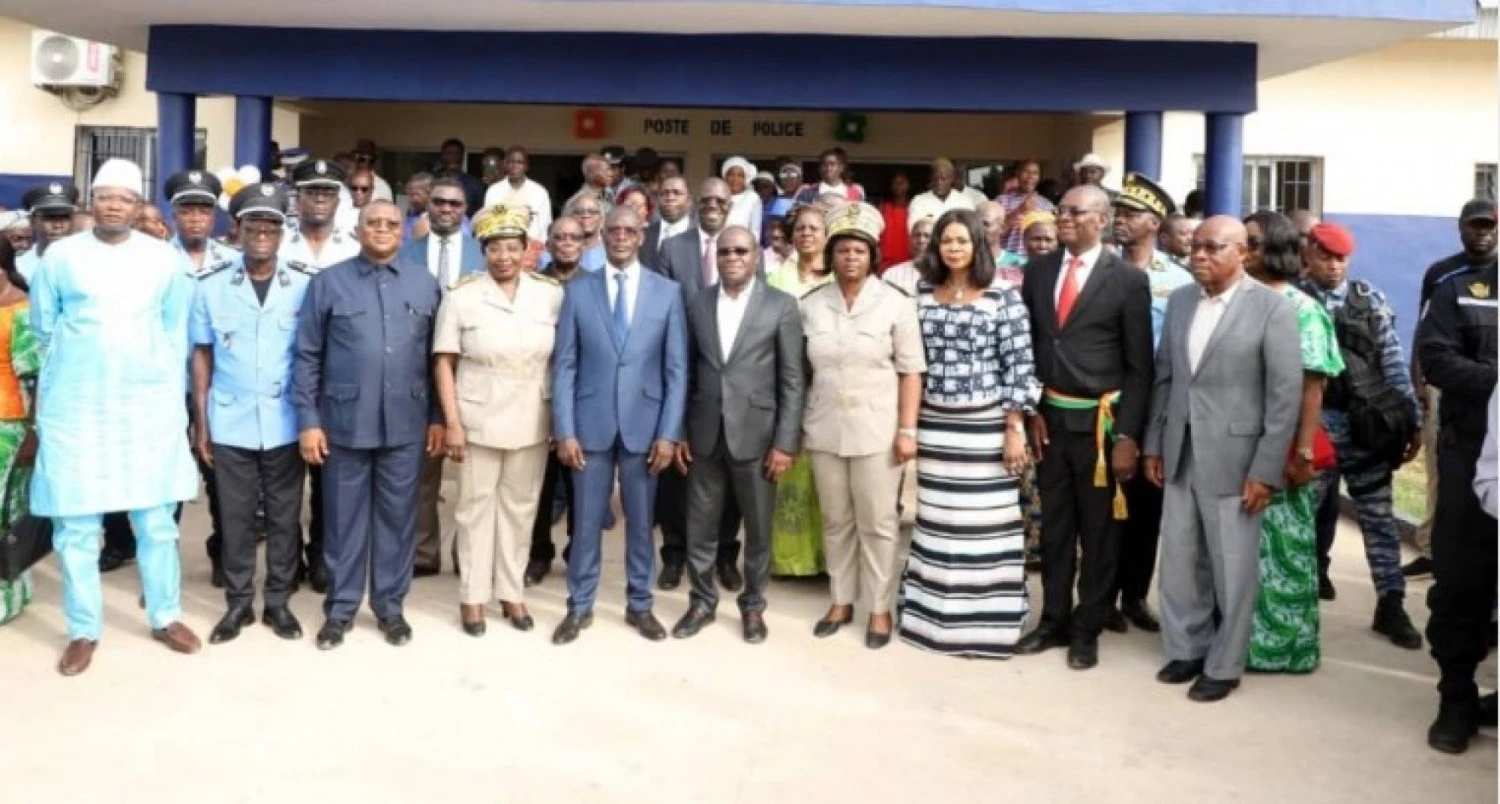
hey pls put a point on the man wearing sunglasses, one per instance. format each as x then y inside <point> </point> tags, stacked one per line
<point>365,155</point>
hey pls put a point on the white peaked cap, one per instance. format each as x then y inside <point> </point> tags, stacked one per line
<point>119,173</point>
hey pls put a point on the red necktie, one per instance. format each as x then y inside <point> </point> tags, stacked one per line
<point>1069,294</point>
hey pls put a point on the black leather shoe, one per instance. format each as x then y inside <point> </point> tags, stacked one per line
<point>692,622</point>
<point>536,572</point>
<point>646,624</point>
<point>1115,621</point>
<point>520,622</point>
<point>471,619</point>
<point>218,580</point>
<point>1486,717</point>
<point>282,622</point>
<point>317,574</point>
<point>111,559</point>
<point>568,629</point>
<point>730,577</point>
<point>1391,622</point>
<point>425,572</point>
<point>1140,616</point>
<point>1044,638</point>
<point>671,575</point>
<point>331,635</point>
<point>827,627</point>
<point>1457,721</point>
<point>1083,653</point>
<point>396,630</point>
<point>1325,589</point>
<point>1180,671</point>
<point>754,625</point>
<point>1208,690</point>
<point>1417,567</point>
<point>874,640</point>
<point>229,627</point>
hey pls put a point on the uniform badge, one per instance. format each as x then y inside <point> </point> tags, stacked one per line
<point>321,168</point>
<point>195,177</point>
<point>267,190</point>
<point>1480,290</point>
<point>54,188</point>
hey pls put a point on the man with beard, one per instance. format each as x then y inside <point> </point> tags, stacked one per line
<point>51,208</point>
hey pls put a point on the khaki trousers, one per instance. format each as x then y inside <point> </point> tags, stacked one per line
<point>497,500</point>
<point>1430,428</point>
<point>858,498</point>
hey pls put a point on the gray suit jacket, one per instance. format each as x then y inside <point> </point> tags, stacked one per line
<point>755,396</point>
<point>1241,406</point>
<point>681,260</point>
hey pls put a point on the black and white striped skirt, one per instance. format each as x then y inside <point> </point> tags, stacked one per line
<point>964,590</point>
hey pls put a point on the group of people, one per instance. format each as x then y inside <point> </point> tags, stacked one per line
<point>1038,379</point>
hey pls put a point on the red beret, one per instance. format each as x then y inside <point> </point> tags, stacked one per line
<point>1333,239</point>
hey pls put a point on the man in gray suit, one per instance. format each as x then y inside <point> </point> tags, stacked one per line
<point>1223,414</point>
<point>744,423</point>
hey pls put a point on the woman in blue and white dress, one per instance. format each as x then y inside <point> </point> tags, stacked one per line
<point>964,590</point>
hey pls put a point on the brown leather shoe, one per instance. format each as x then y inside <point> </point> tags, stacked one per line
<point>178,637</point>
<point>77,657</point>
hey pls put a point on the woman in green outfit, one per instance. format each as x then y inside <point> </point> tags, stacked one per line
<point>20,359</point>
<point>1284,637</point>
<point>797,528</point>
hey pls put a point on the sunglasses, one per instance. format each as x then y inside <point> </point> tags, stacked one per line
<point>445,203</point>
<point>733,251</point>
<point>1207,248</point>
<point>592,212</point>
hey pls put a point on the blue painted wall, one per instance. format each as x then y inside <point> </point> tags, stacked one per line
<point>863,73</point>
<point>1393,251</point>
<point>15,185</point>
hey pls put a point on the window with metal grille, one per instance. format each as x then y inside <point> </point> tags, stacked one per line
<point>1484,180</point>
<point>96,144</point>
<point>1283,183</point>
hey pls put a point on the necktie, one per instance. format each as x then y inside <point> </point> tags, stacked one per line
<point>1069,294</point>
<point>622,321</point>
<point>445,276</point>
<point>710,264</point>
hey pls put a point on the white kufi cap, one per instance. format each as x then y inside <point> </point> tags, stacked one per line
<point>121,174</point>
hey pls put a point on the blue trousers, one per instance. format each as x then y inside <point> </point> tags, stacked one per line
<point>370,513</point>
<point>76,540</point>
<point>1369,482</point>
<point>592,488</point>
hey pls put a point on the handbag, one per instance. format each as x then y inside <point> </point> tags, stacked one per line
<point>23,542</point>
<point>1324,457</point>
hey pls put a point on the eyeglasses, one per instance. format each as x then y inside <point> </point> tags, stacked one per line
<point>360,188</point>
<point>733,251</point>
<point>379,224</point>
<point>1207,248</point>
<point>621,230</point>
<point>115,198</point>
<point>446,203</point>
<point>1073,212</point>
<point>567,237</point>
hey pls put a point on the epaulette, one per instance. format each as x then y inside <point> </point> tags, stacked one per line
<point>466,279</point>
<point>217,267</point>
<point>300,267</point>
<point>898,289</point>
<point>551,280</point>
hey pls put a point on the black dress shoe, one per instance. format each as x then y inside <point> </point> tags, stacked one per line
<point>475,628</point>
<point>827,628</point>
<point>536,572</point>
<point>1115,621</point>
<point>1044,638</point>
<point>646,624</point>
<point>1457,721</point>
<point>730,577</point>
<point>568,629</point>
<point>111,559</point>
<point>396,630</point>
<point>471,619</point>
<point>317,575</point>
<point>1417,567</point>
<point>282,622</point>
<point>1486,717</point>
<point>1140,616</point>
<point>671,575</point>
<point>1083,653</point>
<point>1208,690</point>
<point>693,621</point>
<point>754,625</point>
<point>874,640</point>
<point>229,627</point>
<point>1325,589</point>
<point>425,572</point>
<point>522,622</point>
<point>331,635</point>
<point>1180,671</point>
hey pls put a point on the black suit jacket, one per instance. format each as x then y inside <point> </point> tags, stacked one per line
<point>1106,344</point>
<point>650,255</point>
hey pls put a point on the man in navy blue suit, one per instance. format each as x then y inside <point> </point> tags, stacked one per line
<point>619,387</point>
<point>449,256</point>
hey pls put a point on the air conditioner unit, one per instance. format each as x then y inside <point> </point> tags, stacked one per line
<point>67,61</point>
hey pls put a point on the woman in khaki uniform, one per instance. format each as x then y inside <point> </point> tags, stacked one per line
<point>493,344</point>
<point>865,347</point>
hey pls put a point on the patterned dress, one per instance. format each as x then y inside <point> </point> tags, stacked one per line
<point>20,359</point>
<point>1284,636</point>
<point>797,525</point>
<point>964,590</point>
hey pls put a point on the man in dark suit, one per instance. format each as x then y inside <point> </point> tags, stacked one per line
<point>448,256</point>
<point>1091,325</point>
<point>362,389</point>
<point>675,207</point>
<point>744,423</point>
<point>619,386</point>
<point>689,260</point>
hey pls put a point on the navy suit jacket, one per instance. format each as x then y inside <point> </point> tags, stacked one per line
<point>470,255</point>
<point>636,392</point>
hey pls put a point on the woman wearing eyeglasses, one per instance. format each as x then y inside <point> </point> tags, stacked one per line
<point>493,341</point>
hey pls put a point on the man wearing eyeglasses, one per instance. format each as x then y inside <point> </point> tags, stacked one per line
<point>365,155</point>
<point>587,207</point>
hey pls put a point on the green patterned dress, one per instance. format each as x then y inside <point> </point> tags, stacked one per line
<point>797,526</point>
<point>20,360</point>
<point>1284,637</point>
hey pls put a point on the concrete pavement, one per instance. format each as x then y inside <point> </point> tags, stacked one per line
<point>613,718</point>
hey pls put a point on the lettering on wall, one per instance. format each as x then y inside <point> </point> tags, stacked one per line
<point>668,126</point>
<point>760,128</point>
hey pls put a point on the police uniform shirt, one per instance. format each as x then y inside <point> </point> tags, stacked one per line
<point>504,348</point>
<point>337,248</point>
<point>216,257</point>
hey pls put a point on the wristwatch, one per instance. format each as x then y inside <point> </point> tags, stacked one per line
<point>1018,428</point>
<point>1305,454</point>
<point>909,432</point>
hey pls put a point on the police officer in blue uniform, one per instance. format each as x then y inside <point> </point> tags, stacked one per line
<point>51,208</point>
<point>362,389</point>
<point>244,330</point>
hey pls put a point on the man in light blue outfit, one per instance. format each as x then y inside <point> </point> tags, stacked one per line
<point>111,310</point>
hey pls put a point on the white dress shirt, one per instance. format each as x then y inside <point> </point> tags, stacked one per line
<point>671,229</point>
<point>1090,258</point>
<point>632,287</point>
<point>455,256</point>
<point>1206,319</point>
<point>929,205</point>
<point>731,315</point>
<point>530,195</point>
